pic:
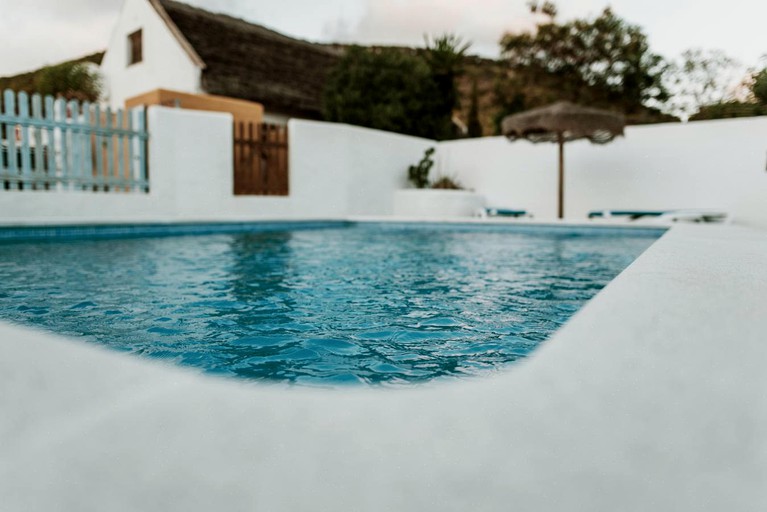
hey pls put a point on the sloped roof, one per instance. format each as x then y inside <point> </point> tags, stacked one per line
<point>251,62</point>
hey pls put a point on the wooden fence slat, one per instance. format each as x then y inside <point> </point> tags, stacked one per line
<point>272,170</point>
<point>241,149</point>
<point>143,168</point>
<point>26,161</point>
<point>87,153</point>
<point>120,149</point>
<point>263,158</point>
<point>12,169</point>
<point>38,162</point>
<point>132,168</point>
<point>50,116</point>
<point>64,153</point>
<point>247,173</point>
<point>277,156</point>
<point>283,157</point>
<point>235,157</point>
<point>76,170</point>
<point>109,175</point>
<point>98,174</point>
<point>250,173</point>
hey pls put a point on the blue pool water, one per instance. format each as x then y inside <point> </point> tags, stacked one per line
<point>365,303</point>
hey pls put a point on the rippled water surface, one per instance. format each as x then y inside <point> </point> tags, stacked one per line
<point>340,305</point>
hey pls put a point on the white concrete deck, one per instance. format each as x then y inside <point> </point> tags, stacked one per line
<point>653,397</point>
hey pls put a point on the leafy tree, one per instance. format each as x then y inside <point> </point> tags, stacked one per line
<point>474,125</point>
<point>28,81</point>
<point>701,78</point>
<point>70,80</point>
<point>759,86</point>
<point>387,89</point>
<point>729,109</point>
<point>510,94</point>
<point>398,90</point>
<point>603,61</point>
<point>546,8</point>
<point>445,55</point>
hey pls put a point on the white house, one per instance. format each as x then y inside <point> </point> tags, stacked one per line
<point>162,44</point>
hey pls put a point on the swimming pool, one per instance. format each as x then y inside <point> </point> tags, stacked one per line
<point>338,303</point>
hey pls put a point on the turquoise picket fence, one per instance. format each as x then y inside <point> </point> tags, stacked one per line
<point>53,144</point>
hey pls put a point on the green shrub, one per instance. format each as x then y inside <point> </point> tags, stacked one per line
<point>419,174</point>
<point>70,80</point>
<point>759,87</point>
<point>446,183</point>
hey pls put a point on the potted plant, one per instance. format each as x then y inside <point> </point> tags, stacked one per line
<point>442,198</point>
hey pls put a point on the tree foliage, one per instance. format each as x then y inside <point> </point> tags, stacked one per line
<point>28,81</point>
<point>759,86</point>
<point>603,62</point>
<point>445,55</point>
<point>545,8</point>
<point>70,80</point>
<point>386,89</point>
<point>729,109</point>
<point>398,90</point>
<point>702,78</point>
<point>474,126</point>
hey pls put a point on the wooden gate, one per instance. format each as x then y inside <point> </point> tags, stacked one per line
<point>260,159</point>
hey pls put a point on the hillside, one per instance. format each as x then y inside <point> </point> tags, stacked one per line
<point>487,72</point>
<point>26,81</point>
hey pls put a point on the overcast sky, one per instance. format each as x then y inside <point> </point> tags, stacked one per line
<point>38,32</point>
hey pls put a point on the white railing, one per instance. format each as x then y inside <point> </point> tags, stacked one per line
<point>52,144</point>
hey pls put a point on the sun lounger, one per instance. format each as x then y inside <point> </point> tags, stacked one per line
<point>664,215</point>
<point>694,216</point>
<point>631,214</point>
<point>504,212</point>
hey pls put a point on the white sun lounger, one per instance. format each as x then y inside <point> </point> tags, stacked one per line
<point>663,216</point>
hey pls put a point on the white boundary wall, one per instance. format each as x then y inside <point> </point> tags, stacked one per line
<point>335,170</point>
<point>339,170</point>
<point>706,164</point>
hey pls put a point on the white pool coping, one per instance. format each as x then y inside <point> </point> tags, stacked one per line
<point>653,397</point>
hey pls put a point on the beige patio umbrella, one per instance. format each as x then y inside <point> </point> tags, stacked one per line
<point>563,122</point>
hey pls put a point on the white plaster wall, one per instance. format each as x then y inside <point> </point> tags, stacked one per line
<point>190,161</point>
<point>69,207</point>
<point>378,167</point>
<point>520,176</point>
<point>707,164</point>
<point>335,170</point>
<point>437,203</point>
<point>339,170</point>
<point>165,63</point>
<point>273,118</point>
<point>187,176</point>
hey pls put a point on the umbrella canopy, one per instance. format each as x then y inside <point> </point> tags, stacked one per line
<point>563,122</point>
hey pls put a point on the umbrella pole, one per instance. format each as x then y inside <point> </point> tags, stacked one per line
<point>561,140</point>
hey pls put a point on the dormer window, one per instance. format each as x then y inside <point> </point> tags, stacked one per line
<point>135,50</point>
